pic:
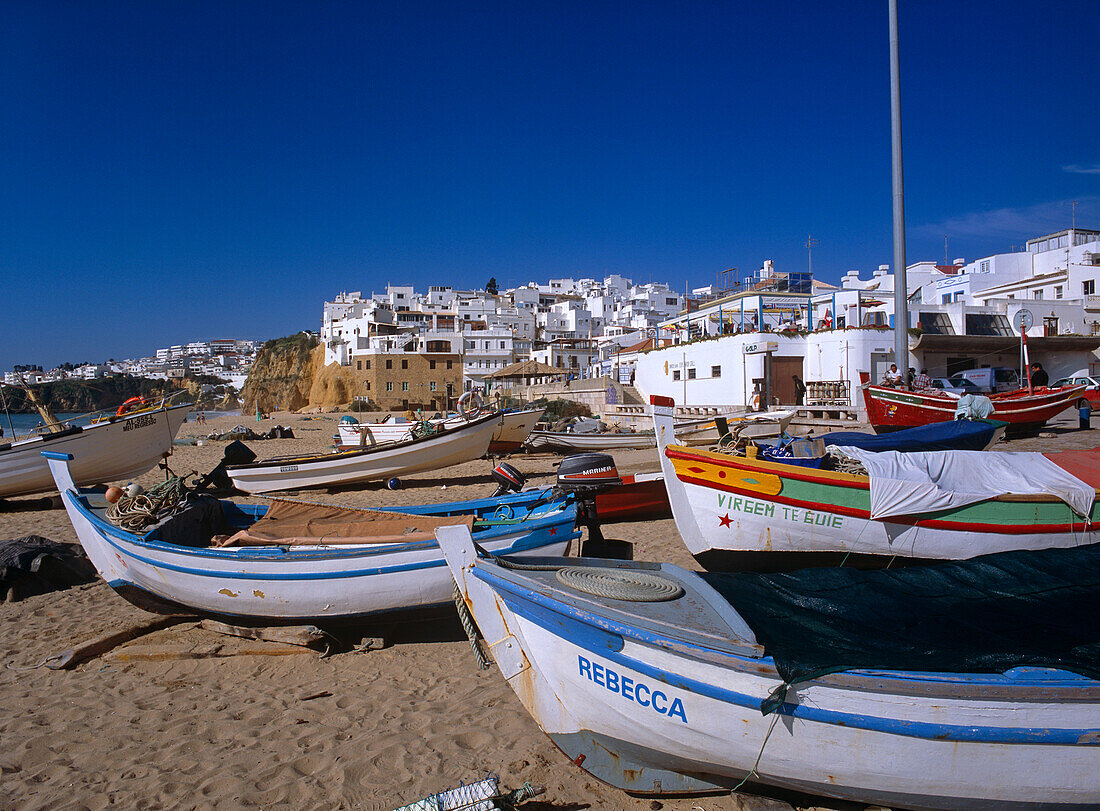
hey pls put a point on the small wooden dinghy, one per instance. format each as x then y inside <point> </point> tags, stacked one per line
<point>301,562</point>
<point>1025,411</point>
<point>511,432</point>
<point>432,452</point>
<point>564,442</point>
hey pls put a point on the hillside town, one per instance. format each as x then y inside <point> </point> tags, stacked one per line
<point>421,349</point>
<point>229,359</point>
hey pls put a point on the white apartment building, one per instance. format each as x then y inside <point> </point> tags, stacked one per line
<point>533,320</point>
<point>521,321</point>
<point>575,355</point>
<point>1064,269</point>
<point>485,351</point>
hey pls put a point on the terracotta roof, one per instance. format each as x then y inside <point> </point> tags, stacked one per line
<point>526,368</point>
<point>648,343</point>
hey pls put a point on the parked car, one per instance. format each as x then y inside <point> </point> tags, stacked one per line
<point>956,385</point>
<point>990,379</point>
<point>1092,393</point>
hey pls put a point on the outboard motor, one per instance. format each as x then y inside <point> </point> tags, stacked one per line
<point>508,479</point>
<point>586,475</point>
<point>217,480</point>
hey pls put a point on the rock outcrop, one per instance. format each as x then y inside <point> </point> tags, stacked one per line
<point>83,396</point>
<point>289,375</point>
<point>282,374</point>
<point>333,385</point>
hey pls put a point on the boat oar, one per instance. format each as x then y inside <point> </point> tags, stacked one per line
<point>100,645</point>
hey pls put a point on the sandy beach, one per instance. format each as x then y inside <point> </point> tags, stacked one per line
<point>186,718</point>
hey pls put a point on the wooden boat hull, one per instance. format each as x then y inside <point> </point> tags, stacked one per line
<point>316,583</point>
<point>514,428</point>
<point>641,497</point>
<point>653,710</point>
<point>103,451</point>
<point>735,512</point>
<point>452,447</point>
<point>890,409</point>
<point>561,442</point>
<point>753,426</point>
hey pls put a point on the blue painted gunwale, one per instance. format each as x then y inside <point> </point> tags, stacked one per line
<point>533,540</point>
<point>604,637</point>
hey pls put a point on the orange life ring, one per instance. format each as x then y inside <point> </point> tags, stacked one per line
<point>130,405</point>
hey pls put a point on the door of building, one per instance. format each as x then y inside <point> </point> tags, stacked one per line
<point>782,382</point>
<point>880,363</point>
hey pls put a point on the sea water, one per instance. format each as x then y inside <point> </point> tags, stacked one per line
<point>25,423</point>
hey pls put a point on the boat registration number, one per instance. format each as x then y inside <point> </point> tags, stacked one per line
<point>288,468</point>
<point>139,422</point>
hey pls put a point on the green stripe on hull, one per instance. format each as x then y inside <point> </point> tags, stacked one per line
<point>897,397</point>
<point>1007,513</point>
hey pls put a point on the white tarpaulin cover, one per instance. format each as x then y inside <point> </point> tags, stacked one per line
<point>910,483</point>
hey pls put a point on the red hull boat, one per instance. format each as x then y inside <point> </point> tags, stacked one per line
<point>890,409</point>
<point>641,497</point>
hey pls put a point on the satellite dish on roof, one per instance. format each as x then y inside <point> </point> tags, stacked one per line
<point>1023,320</point>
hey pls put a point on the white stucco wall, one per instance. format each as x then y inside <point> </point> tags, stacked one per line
<point>827,355</point>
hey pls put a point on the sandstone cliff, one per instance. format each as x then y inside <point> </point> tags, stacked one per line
<point>289,375</point>
<point>333,385</point>
<point>282,374</point>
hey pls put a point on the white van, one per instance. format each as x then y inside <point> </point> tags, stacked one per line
<point>993,379</point>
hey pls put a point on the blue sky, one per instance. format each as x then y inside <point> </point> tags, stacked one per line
<point>180,171</point>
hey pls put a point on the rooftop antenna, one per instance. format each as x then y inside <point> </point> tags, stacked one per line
<point>1074,215</point>
<point>901,304</point>
<point>945,249</point>
<point>809,245</point>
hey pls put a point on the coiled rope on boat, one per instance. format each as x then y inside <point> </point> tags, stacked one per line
<point>135,513</point>
<point>619,584</point>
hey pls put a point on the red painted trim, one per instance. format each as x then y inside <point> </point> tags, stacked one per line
<point>926,523</point>
<point>799,474</point>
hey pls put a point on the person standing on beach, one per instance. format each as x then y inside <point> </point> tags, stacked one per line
<point>799,390</point>
<point>1039,377</point>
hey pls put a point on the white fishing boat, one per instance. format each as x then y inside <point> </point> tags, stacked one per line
<point>296,561</point>
<point>742,512</point>
<point>393,459</point>
<point>760,425</point>
<point>513,430</point>
<point>566,442</point>
<point>108,446</point>
<point>698,688</point>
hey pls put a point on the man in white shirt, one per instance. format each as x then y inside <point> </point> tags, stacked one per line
<point>892,376</point>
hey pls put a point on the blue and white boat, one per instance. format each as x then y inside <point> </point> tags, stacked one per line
<point>307,563</point>
<point>713,682</point>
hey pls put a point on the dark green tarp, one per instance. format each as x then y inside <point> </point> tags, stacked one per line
<point>984,615</point>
